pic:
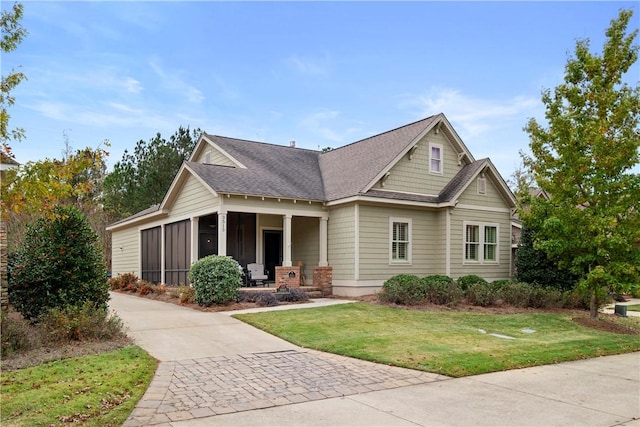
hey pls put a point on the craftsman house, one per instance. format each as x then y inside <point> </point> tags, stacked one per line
<point>411,200</point>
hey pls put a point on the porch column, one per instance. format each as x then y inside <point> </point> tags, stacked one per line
<point>195,239</point>
<point>222,233</point>
<point>323,243</point>
<point>286,262</point>
<point>162,255</point>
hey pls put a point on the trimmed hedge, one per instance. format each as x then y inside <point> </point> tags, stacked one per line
<point>215,280</point>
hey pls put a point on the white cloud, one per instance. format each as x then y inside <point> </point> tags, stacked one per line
<point>173,81</point>
<point>329,125</point>
<point>310,66</point>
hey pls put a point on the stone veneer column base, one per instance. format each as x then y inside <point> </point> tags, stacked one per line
<point>323,278</point>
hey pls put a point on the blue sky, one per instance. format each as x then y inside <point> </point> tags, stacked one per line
<point>320,73</point>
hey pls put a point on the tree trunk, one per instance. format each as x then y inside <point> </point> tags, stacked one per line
<point>593,307</point>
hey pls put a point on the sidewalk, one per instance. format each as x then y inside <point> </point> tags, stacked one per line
<point>218,371</point>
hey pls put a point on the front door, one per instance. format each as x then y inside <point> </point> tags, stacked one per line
<point>272,251</point>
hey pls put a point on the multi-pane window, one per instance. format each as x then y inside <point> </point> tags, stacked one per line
<point>435,160</point>
<point>480,242</point>
<point>490,243</point>
<point>400,236</point>
<point>472,242</point>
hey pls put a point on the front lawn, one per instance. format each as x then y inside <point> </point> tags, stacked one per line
<point>99,390</point>
<point>450,343</point>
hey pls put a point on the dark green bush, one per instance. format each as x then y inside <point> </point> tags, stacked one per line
<point>215,279</point>
<point>60,264</point>
<point>402,289</point>
<point>483,294</point>
<point>546,297</point>
<point>82,322</point>
<point>466,281</point>
<point>441,290</point>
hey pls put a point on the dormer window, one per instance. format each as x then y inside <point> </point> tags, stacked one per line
<point>435,158</point>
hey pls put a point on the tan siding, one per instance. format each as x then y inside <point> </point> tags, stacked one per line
<point>215,157</point>
<point>125,251</point>
<point>256,204</point>
<point>374,242</point>
<point>193,197</point>
<point>492,198</point>
<point>341,248</point>
<point>488,271</point>
<point>270,221</point>
<point>413,175</point>
<point>305,242</point>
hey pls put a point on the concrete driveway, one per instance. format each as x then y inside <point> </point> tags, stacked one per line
<point>217,371</point>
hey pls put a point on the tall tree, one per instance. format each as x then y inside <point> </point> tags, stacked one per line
<point>12,35</point>
<point>584,160</point>
<point>141,179</point>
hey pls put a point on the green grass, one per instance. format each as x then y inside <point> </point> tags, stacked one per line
<point>99,390</point>
<point>633,307</point>
<point>448,343</point>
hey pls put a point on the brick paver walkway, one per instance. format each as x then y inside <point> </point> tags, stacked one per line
<point>198,388</point>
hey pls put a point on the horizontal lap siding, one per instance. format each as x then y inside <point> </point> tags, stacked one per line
<point>426,242</point>
<point>125,253</point>
<point>193,197</point>
<point>488,271</point>
<point>305,243</point>
<point>341,248</point>
<point>413,175</point>
<point>492,198</point>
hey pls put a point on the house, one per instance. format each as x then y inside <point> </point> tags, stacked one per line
<point>411,200</point>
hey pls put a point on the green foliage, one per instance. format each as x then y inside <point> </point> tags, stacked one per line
<point>12,35</point>
<point>215,279</point>
<point>80,322</point>
<point>441,290</point>
<point>533,265</point>
<point>584,160</point>
<point>141,179</point>
<point>402,289</point>
<point>59,265</point>
<point>470,279</point>
<point>483,294</point>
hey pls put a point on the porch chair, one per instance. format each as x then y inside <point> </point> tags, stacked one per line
<point>256,274</point>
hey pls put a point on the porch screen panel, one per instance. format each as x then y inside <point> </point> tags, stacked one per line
<point>151,268</point>
<point>177,252</point>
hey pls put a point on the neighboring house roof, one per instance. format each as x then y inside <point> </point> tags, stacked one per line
<point>7,162</point>
<point>269,170</point>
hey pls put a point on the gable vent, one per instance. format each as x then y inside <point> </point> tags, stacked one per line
<point>482,185</point>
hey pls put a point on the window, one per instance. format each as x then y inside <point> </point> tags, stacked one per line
<point>435,160</point>
<point>480,243</point>
<point>490,243</point>
<point>472,242</point>
<point>400,240</point>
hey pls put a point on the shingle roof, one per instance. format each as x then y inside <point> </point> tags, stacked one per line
<point>346,171</point>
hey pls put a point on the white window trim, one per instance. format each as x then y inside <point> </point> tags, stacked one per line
<point>439,146</point>
<point>481,259</point>
<point>392,261</point>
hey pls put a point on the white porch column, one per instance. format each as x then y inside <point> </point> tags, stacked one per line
<point>286,262</point>
<point>222,233</point>
<point>195,239</point>
<point>323,243</point>
<point>162,255</point>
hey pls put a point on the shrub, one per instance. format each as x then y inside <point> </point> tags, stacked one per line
<point>294,295</point>
<point>516,294</point>
<point>215,279</point>
<point>441,290</point>
<point>17,334</point>
<point>266,299</point>
<point>546,297</point>
<point>483,294</point>
<point>402,289</point>
<point>82,322</point>
<point>146,288</point>
<point>466,281</point>
<point>123,281</point>
<point>59,264</point>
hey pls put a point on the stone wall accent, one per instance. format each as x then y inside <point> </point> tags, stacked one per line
<point>289,276</point>
<point>4,285</point>
<point>323,279</point>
